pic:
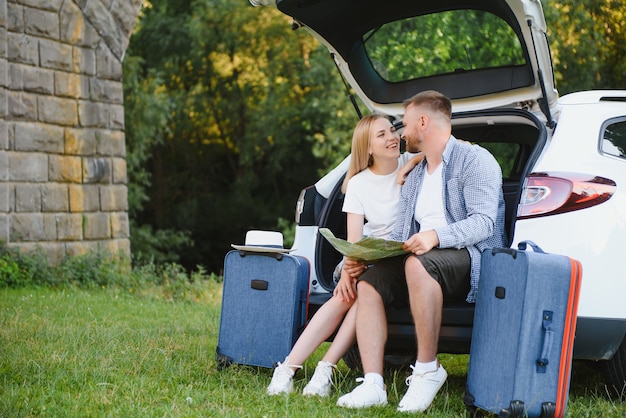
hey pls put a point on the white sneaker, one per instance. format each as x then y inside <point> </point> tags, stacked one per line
<point>422,390</point>
<point>282,380</point>
<point>363,396</point>
<point>321,380</point>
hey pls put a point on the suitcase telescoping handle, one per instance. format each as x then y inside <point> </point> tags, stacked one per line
<point>527,243</point>
<point>277,256</point>
<point>522,246</point>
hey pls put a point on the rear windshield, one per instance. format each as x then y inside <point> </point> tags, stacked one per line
<point>441,43</point>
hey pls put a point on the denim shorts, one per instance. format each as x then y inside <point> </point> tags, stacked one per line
<point>448,266</point>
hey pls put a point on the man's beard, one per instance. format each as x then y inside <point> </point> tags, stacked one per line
<point>412,147</point>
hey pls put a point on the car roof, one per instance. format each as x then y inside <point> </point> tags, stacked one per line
<point>342,25</point>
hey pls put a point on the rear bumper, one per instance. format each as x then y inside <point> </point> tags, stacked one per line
<point>598,338</point>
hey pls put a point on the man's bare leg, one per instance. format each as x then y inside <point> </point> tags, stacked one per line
<point>426,300</point>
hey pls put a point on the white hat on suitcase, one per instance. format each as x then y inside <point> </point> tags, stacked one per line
<point>263,242</point>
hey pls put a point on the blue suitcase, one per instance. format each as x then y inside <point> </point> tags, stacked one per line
<point>264,307</point>
<point>523,334</point>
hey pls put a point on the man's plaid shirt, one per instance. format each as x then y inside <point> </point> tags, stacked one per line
<point>473,201</point>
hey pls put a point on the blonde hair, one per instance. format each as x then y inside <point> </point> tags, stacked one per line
<point>361,158</point>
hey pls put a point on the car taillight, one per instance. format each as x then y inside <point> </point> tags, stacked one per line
<point>552,193</point>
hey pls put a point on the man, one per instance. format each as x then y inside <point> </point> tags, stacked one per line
<point>451,208</point>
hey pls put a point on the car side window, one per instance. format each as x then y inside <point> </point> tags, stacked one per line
<point>614,138</point>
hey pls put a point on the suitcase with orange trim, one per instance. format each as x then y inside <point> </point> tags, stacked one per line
<point>523,334</point>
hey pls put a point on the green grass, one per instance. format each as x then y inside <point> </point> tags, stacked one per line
<point>116,353</point>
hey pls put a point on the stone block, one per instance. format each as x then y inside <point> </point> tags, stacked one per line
<point>4,166</point>
<point>22,106</point>
<point>124,12</point>
<point>120,226</point>
<point>26,227</point>
<point>4,65</point>
<point>76,248</point>
<point>55,197</point>
<point>15,17</point>
<point>116,120</point>
<point>114,198</point>
<point>97,170</point>
<point>53,251</point>
<point>92,114</point>
<point>11,191</point>
<point>16,76</point>
<point>115,247</point>
<point>50,227</point>
<point>4,229</point>
<point>80,141</point>
<point>65,169</point>
<point>4,109</point>
<point>4,135</point>
<point>5,198</point>
<point>106,91</point>
<point>69,227</point>
<point>49,5</point>
<point>84,198</point>
<point>71,85</point>
<point>38,80</point>
<point>107,64</point>
<point>96,226</point>
<point>39,137</point>
<point>75,29</point>
<point>10,135</point>
<point>56,55</point>
<point>100,17</point>
<point>119,171</point>
<point>28,166</point>
<point>22,48</point>
<point>27,197</point>
<point>84,61</point>
<point>3,14</point>
<point>41,23</point>
<point>112,143</point>
<point>58,110</point>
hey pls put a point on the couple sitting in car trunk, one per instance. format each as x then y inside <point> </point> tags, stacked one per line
<point>448,210</point>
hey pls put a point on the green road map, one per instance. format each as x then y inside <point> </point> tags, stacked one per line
<point>367,249</point>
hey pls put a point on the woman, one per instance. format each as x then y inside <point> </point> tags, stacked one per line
<point>371,189</point>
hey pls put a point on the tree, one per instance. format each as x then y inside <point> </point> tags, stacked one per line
<point>588,41</point>
<point>250,107</point>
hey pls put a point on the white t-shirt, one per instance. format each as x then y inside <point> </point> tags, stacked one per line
<point>429,210</point>
<point>375,197</point>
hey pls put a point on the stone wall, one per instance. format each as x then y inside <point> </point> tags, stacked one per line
<point>62,145</point>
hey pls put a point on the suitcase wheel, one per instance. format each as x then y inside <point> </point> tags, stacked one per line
<point>222,361</point>
<point>548,409</point>
<point>516,409</point>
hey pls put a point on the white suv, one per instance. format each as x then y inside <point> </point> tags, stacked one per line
<point>563,159</point>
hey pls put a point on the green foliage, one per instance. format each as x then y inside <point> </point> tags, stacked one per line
<point>416,47</point>
<point>252,114</point>
<point>99,270</point>
<point>288,228</point>
<point>157,246</point>
<point>588,40</point>
<point>11,273</point>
